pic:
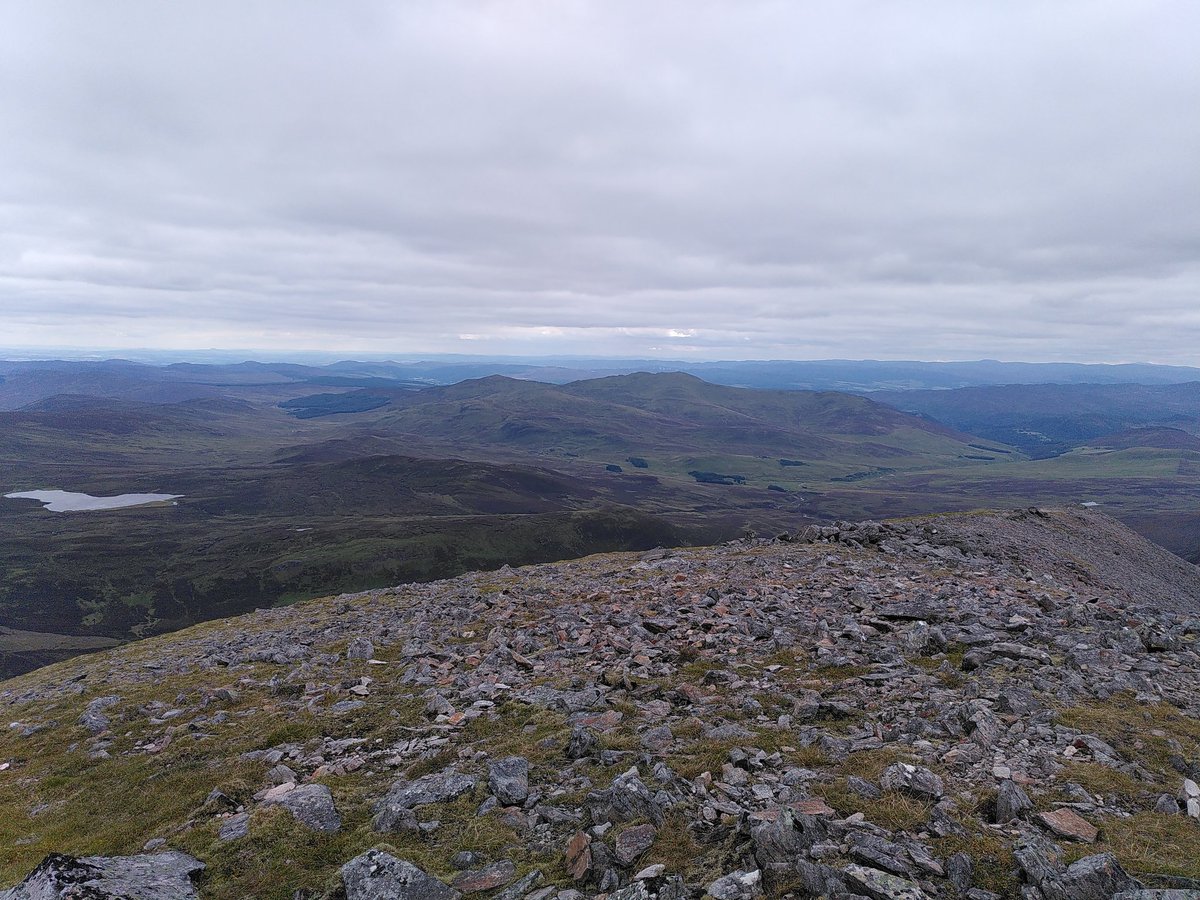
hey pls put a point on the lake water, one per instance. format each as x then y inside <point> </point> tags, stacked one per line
<point>66,501</point>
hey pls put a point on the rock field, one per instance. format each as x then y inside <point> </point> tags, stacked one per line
<point>976,706</point>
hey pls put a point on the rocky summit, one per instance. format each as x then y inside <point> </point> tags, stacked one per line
<point>971,706</point>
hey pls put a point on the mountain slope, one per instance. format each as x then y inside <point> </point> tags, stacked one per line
<point>1046,419</point>
<point>912,709</point>
<point>675,420</point>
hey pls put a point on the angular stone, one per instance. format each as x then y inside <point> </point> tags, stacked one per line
<point>1096,877</point>
<point>439,787</point>
<point>1011,802</point>
<point>635,891</point>
<point>657,739</point>
<point>626,800</point>
<point>236,826</point>
<point>496,875</point>
<point>914,780</point>
<point>376,875</point>
<point>1069,824</point>
<point>360,648</point>
<point>582,743</point>
<point>465,859</point>
<point>880,854</point>
<point>650,872</point>
<point>394,819</point>
<point>520,887</point>
<point>880,885</point>
<point>311,805</point>
<point>579,856</point>
<point>863,788</point>
<point>93,717</point>
<point>149,876</point>
<point>736,886</point>
<point>960,869</point>
<point>281,774</point>
<point>508,779</point>
<point>633,842</point>
<point>1167,805</point>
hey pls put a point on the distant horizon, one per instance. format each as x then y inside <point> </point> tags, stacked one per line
<point>151,355</point>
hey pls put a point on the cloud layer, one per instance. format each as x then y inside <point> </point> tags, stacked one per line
<point>698,178</point>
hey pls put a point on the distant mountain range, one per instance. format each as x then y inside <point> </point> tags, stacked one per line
<point>23,382</point>
<point>301,481</point>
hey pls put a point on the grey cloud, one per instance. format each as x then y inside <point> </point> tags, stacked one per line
<point>762,179</point>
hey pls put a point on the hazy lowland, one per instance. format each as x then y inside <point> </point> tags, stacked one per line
<point>286,481</point>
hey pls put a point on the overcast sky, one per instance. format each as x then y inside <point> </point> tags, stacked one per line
<point>938,180</point>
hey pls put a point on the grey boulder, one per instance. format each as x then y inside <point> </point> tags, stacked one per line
<point>312,805</point>
<point>916,781</point>
<point>1011,802</point>
<point>150,876</point>
<point>508,779</point>
<point>438,787</point>
<point>376,875</point>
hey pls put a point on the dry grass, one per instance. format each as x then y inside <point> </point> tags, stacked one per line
<point>1149,844</point>
<point>869,764</point>
<point>894,811</point>
<point>1101,781</point>
<point>995,867</point>
<point>1151,734</point>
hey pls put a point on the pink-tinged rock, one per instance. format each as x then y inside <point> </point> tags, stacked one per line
<point>603,721</point>
<point>579,856</point>
<point>1069,824</point>
<point>814,807</point>
<point>496,875</point>
<point>633,842</point>
<point>277,793</point>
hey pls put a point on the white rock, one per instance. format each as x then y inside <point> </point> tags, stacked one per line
<point>279,791</point>
<point>650,872</point>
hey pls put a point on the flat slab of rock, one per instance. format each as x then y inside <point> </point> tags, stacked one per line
<point>813,807</point>
<point>236,826</point>
<point>151,876</point>
<point>579,855</point>
<point>633,842</point>
<point>311,805</point>
<point>882,886</point>
<point>736,886</point>
<point>439,787</point>
<point>496,875</point>
<point>376,875</point>
<point>1069,824</point>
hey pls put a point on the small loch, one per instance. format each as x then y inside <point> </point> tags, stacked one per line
<point>67,501</point>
